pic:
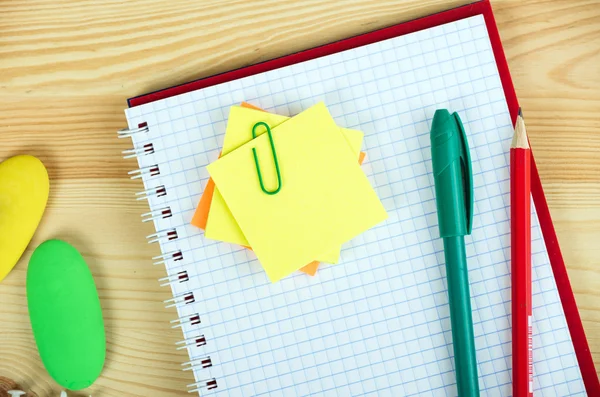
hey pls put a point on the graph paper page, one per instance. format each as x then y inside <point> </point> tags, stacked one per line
<point>377,323</point>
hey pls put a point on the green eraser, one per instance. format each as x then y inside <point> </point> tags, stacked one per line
<point>66,316</point>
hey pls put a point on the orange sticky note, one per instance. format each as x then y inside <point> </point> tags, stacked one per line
<point>201,214</point>
<point>311,268</point>
<point>250,106</point>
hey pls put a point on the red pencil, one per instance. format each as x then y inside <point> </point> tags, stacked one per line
<point>520,215</point>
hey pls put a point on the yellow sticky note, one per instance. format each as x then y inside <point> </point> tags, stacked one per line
<point>324,201</point>
<point>221,224</point>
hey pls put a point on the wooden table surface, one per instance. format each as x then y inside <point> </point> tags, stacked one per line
<point>67,67</point>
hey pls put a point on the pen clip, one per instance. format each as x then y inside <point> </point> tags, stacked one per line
<point>465,162</point>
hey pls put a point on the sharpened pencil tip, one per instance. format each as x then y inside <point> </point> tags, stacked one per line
<point>520,137</point>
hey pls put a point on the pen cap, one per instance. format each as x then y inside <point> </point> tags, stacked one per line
<point>452,174</point>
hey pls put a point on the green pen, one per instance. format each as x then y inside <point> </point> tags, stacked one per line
<point>454,199</point>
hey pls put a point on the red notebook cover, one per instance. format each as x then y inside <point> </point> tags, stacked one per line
<point>582,350</point>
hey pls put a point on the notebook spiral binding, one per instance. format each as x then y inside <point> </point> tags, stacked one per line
<point>161,236</point>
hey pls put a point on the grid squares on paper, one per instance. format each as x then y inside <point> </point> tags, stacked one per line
<point>378,322</point>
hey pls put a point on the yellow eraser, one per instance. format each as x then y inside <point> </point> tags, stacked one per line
<point>24,187</point>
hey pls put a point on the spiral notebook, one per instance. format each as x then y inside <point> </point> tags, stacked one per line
<point>377,323</point>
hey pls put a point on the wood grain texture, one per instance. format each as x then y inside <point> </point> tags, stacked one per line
<point>67,67</point>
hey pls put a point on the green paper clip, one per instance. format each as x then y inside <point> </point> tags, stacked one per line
<point>260,179</point>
